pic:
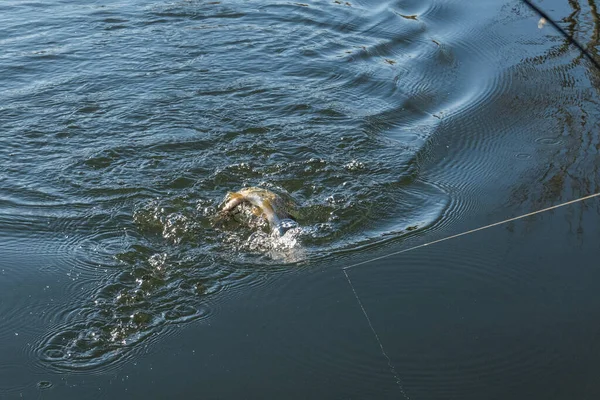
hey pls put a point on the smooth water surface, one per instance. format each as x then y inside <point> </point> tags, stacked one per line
<point>124,124</point>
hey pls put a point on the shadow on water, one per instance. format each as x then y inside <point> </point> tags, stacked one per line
<point>125,125</point>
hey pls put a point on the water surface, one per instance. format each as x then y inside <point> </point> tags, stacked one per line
<point>388,122</point>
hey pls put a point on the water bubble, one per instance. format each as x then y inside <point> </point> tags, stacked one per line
<point>42,385</point>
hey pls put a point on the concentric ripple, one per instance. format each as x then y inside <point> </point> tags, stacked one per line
<point>129,153</point>
<point>124,125</point>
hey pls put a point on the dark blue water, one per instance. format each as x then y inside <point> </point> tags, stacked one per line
<point>123,126</point>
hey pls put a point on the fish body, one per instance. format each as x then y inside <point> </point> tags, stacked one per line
<point>266,204</point>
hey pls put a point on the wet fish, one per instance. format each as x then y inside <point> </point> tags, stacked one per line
<point>266,204</point>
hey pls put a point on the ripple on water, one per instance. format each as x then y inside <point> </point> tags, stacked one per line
<point>127,161</point>
<point>314,351</point>
<point>142,303</point>
<point>11,306</point>
<point>550,141</point>
<point>59,265</point>
<point>472,165</point>
<point>462,299</point>
<point>446,376</point>
<point>19,378</point>
<point>146,295</point>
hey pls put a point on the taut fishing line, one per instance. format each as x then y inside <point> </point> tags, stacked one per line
<point>475,230</point>
<point>587,54</point>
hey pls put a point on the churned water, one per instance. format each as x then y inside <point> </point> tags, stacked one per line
<point>124,124</point>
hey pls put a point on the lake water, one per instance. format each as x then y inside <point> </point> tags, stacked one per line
<point>389,123</point>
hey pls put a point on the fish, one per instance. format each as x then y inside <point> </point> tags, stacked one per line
<point>265,204</point>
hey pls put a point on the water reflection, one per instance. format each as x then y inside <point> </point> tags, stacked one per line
<point>570,172</point>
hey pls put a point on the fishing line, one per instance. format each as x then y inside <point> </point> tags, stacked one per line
<point>591,58</point>
<point>474,230</point>
<point>570,38</point>
<point>364,311</point>
<point>345,269</point>
<point>389,361</point>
